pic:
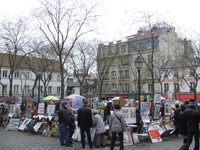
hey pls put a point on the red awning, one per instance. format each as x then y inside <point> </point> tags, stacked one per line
<point>184,97</point>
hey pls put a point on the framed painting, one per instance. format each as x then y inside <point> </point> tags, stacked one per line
<point>135,137</point>
<point>157,112</point>
<point>127,139</point>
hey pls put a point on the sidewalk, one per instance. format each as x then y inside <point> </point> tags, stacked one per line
<point>17,140</point>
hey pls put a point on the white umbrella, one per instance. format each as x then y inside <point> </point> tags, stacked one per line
<point>116,98</point>
<point>73,96</point>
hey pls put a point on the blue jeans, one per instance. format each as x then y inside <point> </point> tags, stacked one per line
<point>112,145</point>
<point>64,134</point>
<point>107,119</point>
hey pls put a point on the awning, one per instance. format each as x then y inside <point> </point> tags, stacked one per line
<point>184,97</point>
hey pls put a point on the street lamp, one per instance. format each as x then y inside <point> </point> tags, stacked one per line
<point>39,71</point>
<point>138,64</point>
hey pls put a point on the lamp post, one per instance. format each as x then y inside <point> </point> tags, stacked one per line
<point>39,71</point>
<point>138,64</point>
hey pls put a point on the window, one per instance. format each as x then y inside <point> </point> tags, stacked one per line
<point>49,89</point>
<point>114,62</point>
<point>126,62</point>
<point>106,87</point>
<point>16,74</point>
<point>166,73</point>
<point>121,75</point>
<point>113,49</point>
<point>123,49</point>
<point>113,86</point>
<point>113,73</point>
<point>121,88</point>
<point>126,87</point>
<point>150,88</point>
<point>120,62</point>
<point>176,87</point>
<point>26,89</point>
<point>175,73</point>
<point>16,89</point>
<point>149,57</point>
<point>27,75</point>
<point>166,87</point>
<point>149,45</point>
<point>126,74</point>
<point>138,46</point>
<point>5,73</point>
<point>106,77</point>
<point>192,86</point>
<point>5,89</point>
<point>58,90</point>
<point>58,78</point>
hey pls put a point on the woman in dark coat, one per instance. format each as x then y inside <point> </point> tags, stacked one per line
<point>72,125</point>
<point>182,126</point>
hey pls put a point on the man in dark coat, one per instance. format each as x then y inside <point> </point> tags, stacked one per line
<point>64,125</point>
<point>85,122</point>
<point>191,116</point>
<point>176,120</point>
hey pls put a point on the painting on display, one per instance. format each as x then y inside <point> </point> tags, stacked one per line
<point>77,102</point>
<point>37,126</point>
<point>100,105</point>
<point>28,108</point>
<point>135,137</point>
<point>155,136</point>
<point>157,112</point>
<point>127,139</point>
<point>132,102</point>
<point>12,108</point>
<point>166,108</point>
<point>24,123</point>
<point>41,108</point>
<point>129,114</point>
<point>145,108</point>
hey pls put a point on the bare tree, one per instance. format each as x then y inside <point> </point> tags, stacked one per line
<point>83,59</point>
<point>15,42</point>
<point>63,23</point>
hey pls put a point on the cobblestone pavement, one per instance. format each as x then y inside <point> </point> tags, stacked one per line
<point>17,140</point>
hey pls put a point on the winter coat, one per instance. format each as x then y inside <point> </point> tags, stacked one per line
<point>191,115</point>
<point>182,124</point>
<point>84,117</point>
<point>63,116</point>
<point>114,124</point>
<point>72,125</point>
<point>98,122</point>
<point>176,115</point>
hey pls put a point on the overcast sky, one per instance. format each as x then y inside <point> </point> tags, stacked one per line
<point>183,14</point>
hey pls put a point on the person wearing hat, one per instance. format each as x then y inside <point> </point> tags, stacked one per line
<point>191,116</point>
<point>100,129</point>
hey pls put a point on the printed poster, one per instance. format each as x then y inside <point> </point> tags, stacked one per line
<point>157,98</point>
<point>24,123</point>
<point>145,108</point>
<point>155,136</point>
<point>41,108</point>
<point>51,109</point>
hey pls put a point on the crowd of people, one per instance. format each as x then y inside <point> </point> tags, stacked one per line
<point>186,121</point>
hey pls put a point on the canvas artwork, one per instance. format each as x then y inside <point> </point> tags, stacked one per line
<point>37,126</point>
<point>125,112</point>
<point>127,139</point>
<point>13,124</point>
<point>100,105</point>
<point>28,108</point>
<point>157,112</point>
<point>24,123</point>
<point>135,137</point>
<point>166,108</point>
<point>155,136</point>
<point>145,108</point>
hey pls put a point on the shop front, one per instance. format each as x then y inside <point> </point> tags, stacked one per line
<point>184,97</point>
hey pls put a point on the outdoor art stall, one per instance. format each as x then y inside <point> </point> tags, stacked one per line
<point>154,123</point>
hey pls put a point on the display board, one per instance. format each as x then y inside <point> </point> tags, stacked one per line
<point>41,108</point>
<point>24,124</point>
<point>127,139</point>
<point>157,111</point>
<point>51,109</point>
<point>28,108</point>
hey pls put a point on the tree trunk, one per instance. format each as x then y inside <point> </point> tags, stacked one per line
<point>11,83</point>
